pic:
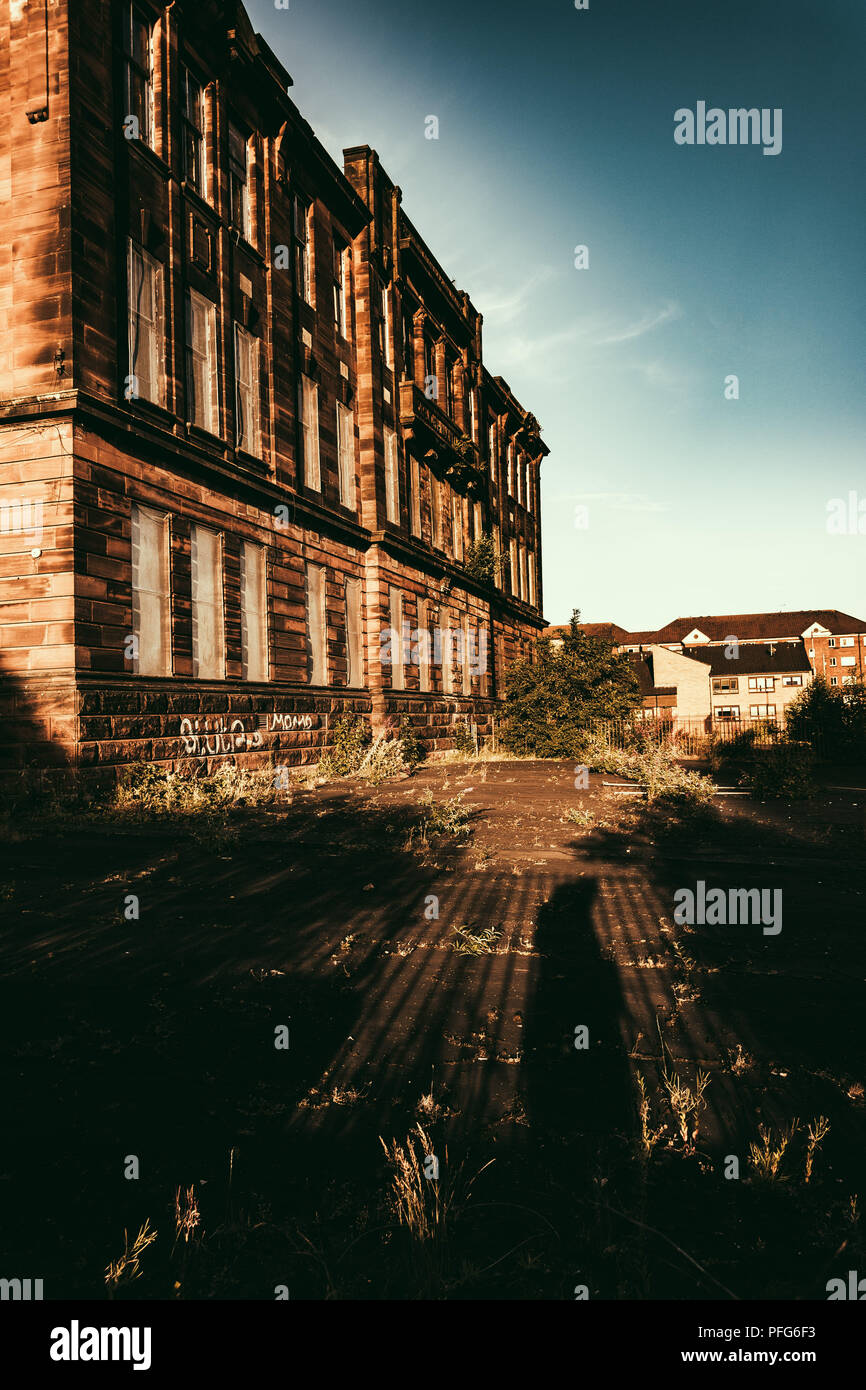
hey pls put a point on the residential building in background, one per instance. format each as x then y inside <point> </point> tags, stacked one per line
<point>249,448</point>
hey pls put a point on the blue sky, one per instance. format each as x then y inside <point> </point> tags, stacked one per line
<point>556,130</point>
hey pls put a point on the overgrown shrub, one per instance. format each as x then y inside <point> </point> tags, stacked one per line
<point>553,699</point>
<point>784,771</point>
<point>414,751</point>
<point>464,741</point>
<point>831,719</point>
<point>351,737</point>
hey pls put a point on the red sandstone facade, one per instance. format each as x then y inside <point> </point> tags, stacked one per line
<point>246,433</point>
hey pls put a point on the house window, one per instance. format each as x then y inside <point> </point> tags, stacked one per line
<point>408,344</point>
<point>208,628</point>
<point>762,711</point>
<point>193,133</point>
<point>247,392</point>
<point>354,647</point>
<point>728,712</point>
<point>832,661</point>
<point>387,339</point>
<point>423,640</point>
<point>395,603</point>
<point>340,270</point>
<point>309,412</point>
<point>531,564</point>
<point>522,554</point>
<point>146,378</point>
<point>831,641</point>
<point>392,478</point>
<point>846,641</point>
<point>513,559</point>
<point>847,661</point>
<point>720,683</point>
<point>520,471</point>
<point>346,455</point>
<point>457,525</point>
<point>151,592</point>
<point>464,656</point>
<point>491,447</point>
<point>254,612</point>
<point>301,222</point>
<point>511,478</point>
<point>201,362</point>
<point>415,488</point>
<point>447,636</point>
<point>792,680</point>
<point>239,182</point>
<point>316,631</point>
<point>834,680</point>
<point>762,682</point>
<point>436,512</point>
<point>431,381</point>
<point>473,429</point>
<point>138,71</point>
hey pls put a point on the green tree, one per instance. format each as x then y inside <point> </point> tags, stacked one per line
<point>832,719</point>
<point>552,701</point>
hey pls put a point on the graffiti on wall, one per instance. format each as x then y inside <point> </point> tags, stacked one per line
<point>215,735</point>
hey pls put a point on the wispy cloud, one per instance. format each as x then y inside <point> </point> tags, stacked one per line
<point>645,324</point>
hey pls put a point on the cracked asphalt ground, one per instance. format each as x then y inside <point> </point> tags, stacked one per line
<point>155,1038</point>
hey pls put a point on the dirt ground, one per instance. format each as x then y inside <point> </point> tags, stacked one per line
<point>153,1039</point>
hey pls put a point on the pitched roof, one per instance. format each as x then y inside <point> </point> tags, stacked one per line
<point>754,626</point>
<point>756,658</point>
<point>642,665</point>
<point>612,631</point>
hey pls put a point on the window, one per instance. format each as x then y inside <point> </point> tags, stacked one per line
<point>520,473</point>
<point>146,378</point>
<point>247,392</point>
<point>430,368</point>
<point>193,133</point>
<point>408,343</point>
<point>848,661</point>
<point>472,423</point>
<point>138,71</point>
<point>531,563</point>
<point>254,612</point>
<point>301,222</point>
<point>762,682</point>
<point>728,712</point>
<point>239,182</point>
<point>208,630</point>
<point>346,455</point>
<point>340,266</point>
<point>386,328</point>
<point>423,639</point>
<point>522,575</point>
<point>846,641</point>
<point>151,592</point>
<point>464,657</point>
<point>435,512</point>
<point>512,482</point>
<point>491,446</point>
<point>316,631</point>
<point>354,648</point>
<point>720,683</point>
<point>447,634</point>
<point>832,661</point>
<point>309,412</point>
<point>831,641</point>
<point>201,362</point>
<point>762,711</point>
<point>415,479</point>
<point>395,603</point>
<point>792,680</point>
<point>513,559</point>
<point>457,525</point>
<point>392,478</point>
<point>834,680</point>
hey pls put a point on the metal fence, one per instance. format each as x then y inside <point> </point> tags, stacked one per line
<point>691,738</point>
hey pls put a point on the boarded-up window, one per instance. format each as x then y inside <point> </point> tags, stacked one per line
<point>415,473</point>
<point>346,455</point>
<point>146,378</point>
<point>201,360</point>
<point>151,593</point>
<point>392,478</point>
<point>316,630</point>
<point>398,675</point>
<point>309,412</point>
<point>208,626</point>
<point>247,392</point>
<point>254,612</point>
<point>423,644</point>
<point>457,525</point>
<point>436,512</point>
<point>354,651</point>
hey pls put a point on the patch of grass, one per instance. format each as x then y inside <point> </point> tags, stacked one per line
<point>579,817</point>
<point>468,942</point>
<point>766,1157</point>
<point>127,1268</point>
<point>444,819</point>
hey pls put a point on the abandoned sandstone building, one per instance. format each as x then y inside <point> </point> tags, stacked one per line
<point>249,450</point>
